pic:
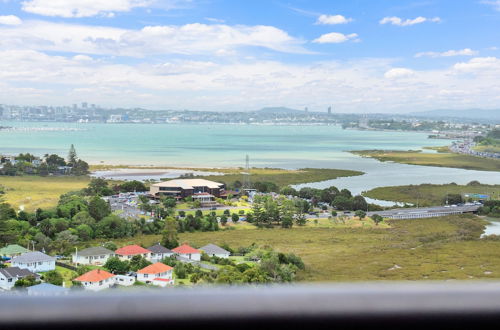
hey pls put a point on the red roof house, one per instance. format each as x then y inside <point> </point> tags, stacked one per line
<point>155,269</point>
<point>95,275</point>
<point>132,250</point>
<point>188,252</point>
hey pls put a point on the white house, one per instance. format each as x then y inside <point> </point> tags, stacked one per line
<point>157,274</point>
<point>35,261</point>
<point>96,280</point>
<point>188,252</point>
<point>158,253</point>
<point>92,256</point>
<point>129,251</point>
<point>215,251</point>
<point>124,280</point>
<point>9,276</point>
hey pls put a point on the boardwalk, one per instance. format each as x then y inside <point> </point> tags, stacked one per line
<point>426,212</point>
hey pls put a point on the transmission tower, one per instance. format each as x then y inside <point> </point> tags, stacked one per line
<point>246,174</point>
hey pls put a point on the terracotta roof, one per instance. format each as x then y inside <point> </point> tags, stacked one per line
<point>131,250</point>
<point>154,269</point>
<point>185,249</point>
<point>95,275</point>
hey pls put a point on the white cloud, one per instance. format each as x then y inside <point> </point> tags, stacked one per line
<point>407,22</point>
<point>214,20</point>
<point>81,8</point>
<point>396,73</point>
<point>461,52</point>
<point>495,4</point>
<point>488,65</point>
<point>335,38</point>
<point>151,40</point>
<point>332,19</point>
<point>10,20</point>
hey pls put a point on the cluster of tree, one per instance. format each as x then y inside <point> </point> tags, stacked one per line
<point>268,211</point>
<point>491,208</point>
<point>491,139</point>
<point>453,199</point>
<point>117,266</point>
<point>79,216</point>
<point>272,267</point>
<point>340,199</point>
<point>49,164</point>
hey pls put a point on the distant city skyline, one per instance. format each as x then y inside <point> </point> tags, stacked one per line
<point>357,56</point>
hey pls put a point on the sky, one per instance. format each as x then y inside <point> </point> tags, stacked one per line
<point>239,55</point>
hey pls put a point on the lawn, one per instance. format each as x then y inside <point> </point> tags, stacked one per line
<point>440,159</point>
<point>434,249</point>
<point>32,192</point>
<point>429,194</point>
<point>67,275</point>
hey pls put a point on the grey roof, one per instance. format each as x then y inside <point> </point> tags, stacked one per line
<point>213,249</point>
<point>95,251</point>
<point>13,272</point>
<point>35,256</point>
<point>46,287</point>
<point>157,248</point>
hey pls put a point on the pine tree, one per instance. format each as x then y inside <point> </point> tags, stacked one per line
<point>72,157</point>
<point>170,239</point>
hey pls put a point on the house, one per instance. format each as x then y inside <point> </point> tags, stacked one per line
<point>125,280</point>
<point>92,256</point>
<point>188,252</point>
<point>127,252</point>
<point>9,276</point>
<point>181,188</point>
<point>13,250</point>
<point>96,280</point>
<point>47,289</point>
<point>215,251</point>
<point>35,261</point>
<point>158,272</point>
<point>158,253</point>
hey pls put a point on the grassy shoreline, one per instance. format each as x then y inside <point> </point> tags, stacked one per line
<point>440,159</point>
<point>428,194</point>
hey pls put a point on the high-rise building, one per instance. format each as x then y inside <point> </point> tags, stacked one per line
<point>306,109</point>
<point>84,105</point>
<point>329,110</point>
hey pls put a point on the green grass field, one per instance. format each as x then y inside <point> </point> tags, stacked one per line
<point>428,194</point>
<point>282,177</point>
<point>440,159</point>
<point>67,275</point>
<point>32,192</point>
<point>423,249</point>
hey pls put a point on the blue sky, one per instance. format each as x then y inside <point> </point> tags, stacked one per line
<point>358,56</point>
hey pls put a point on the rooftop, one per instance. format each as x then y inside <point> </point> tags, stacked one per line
<point>30,257</point>
<point>185,249</point>
<point>189,183</point>
<point>94,251</point>
<point>213,249</point>
<point>155,269</point>
<point>13,272</point>
<point>95,275</point>
<point>157,248</point>
<point>131,250</point>
<point>13,249</point>
<point>46,287</point>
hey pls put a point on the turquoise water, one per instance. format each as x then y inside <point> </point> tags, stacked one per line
<point>204,145</point>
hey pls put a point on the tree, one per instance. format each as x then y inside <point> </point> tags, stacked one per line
<point>377,219</point>
<point>342,202</point>
<point>453,199</point>
<point>112,226</point>
<point>235,217</point>
<point>180,271</point>
<point>85,232</point>
<point>138,262</point>
<point>7,212</point>
<point>64,241</point>
<point>359,203</point>
<point>169,202</point>
<point>133,185</point>
<point>53,277</point>
<point>99,208</point>
<point>117,266</point>
<point>83,218</point>
<point>360,214</point>
<point>98,186</point>
<point>288,191</point>
<point>80,168</point>
<point>72,157</point>
<point>223,219</point>
<point>170,239</point>
<point>26,282</point>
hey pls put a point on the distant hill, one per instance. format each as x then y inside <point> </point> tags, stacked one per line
<point>479,114</point>
<point>279,110</point>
